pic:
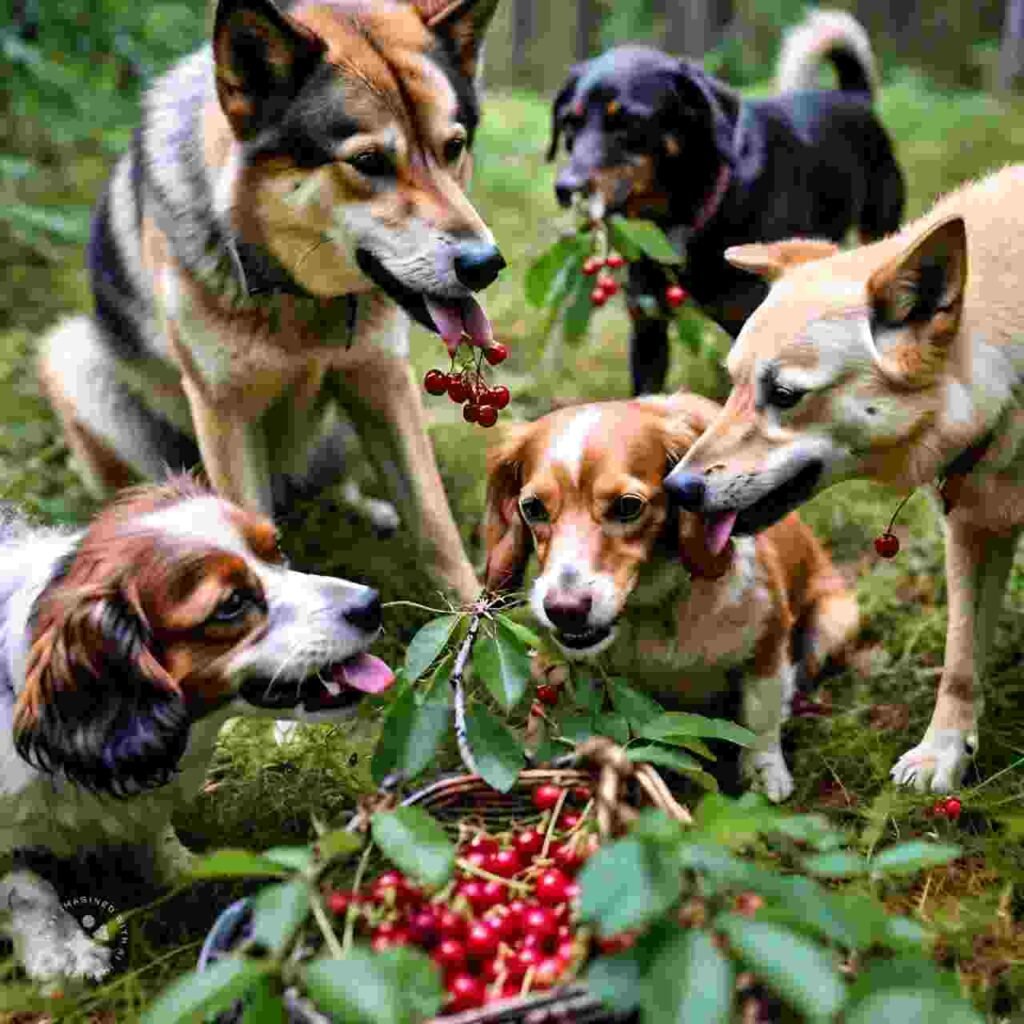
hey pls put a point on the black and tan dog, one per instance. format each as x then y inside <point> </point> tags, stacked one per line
<point>652,136</point>
<point>285,180</point>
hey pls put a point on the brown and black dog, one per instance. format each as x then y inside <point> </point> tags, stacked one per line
<point>623,572</point>
<point>289,184</point>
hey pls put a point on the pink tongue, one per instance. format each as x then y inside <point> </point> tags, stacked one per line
<point>719,530</point>
<point>453,319</point>
<point>364,672</point>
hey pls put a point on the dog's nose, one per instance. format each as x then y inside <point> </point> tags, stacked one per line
<point>688,489</point>
<point>365,614</point>
<point>477,264</point>
<point>568,610</point>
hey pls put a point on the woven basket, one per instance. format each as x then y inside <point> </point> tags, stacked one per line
<point>620,791</point>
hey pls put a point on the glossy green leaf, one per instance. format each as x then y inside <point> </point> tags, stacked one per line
<point>552,270</point>
<point>663,757</point>
<point>413,841</point>
<point>906,858</point>
<point>236,864</point>
<point>910,990</point>
<point>263,1005</point>
<point>679,724</point>
<point>427,644</point>
<point>615,980</point>
<point>498,754</point>
<point>837,864</point>
<point>503,665</point>
<point>526,636</point>
<point>411,735</point>
<point>637,707</point>
<point>578,310</point>
<point>203,992</point>
<point>589,693</point>
<point>338,843</point>
<point>688,982</point>
<point>690,330</point>
<point>613,725</point>
<point>645,236</point>
<point>295,858</point>
<point>277,911</point>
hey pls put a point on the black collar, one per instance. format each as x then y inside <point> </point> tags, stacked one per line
<point>951,479</point>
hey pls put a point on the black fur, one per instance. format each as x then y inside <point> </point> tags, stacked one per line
<point>810,163</point>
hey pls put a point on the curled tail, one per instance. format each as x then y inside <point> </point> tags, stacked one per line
<point>827,35</point>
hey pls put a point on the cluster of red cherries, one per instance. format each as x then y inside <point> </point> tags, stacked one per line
<point>947,807</point>
<point>606,285</point>
<point>467,387</point>
<point>506,925</point>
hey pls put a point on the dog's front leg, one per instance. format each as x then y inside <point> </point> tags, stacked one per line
<point>384,403</point>
<point>977,566</point>
<point>765,707</point>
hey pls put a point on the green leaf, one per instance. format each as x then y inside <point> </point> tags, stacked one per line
<point>837,864</point>
<point>638,708</point>
<point>813,829</point>
<point>503,665</point>
<point>906,858</point>
<point>337,843</point>
<point>613,725</point>
<point>666,757</point>
<point>797,970</point>
<point>524,634</point>
<point>277,911</point>
<point>589,693</point>
<point>910,990</point>
<point>263,1005</point>
<point>676,725</point>
<point>410,736</point>
<point>576,728</point>
<point>644,235</point>
<point>627,884</point>
<point>295,858</point>
<point>550,272</point>
<point>689,982</point>
<point>905,933</point>
<point>498,754</point>
<point>732,822</point>
<point>615,980</point>
<point>203,992</point>
<point>578,311</point>
<point>235,864</point>
<point>398,986</point>
<point>412,840</point>
<point>690,331</point>
<point>694,745</point>
<point>427,644</point>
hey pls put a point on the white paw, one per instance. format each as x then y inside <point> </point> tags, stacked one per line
<point>284,731</point>
<point>53,946</point>
<point>940,759</point>
<point>766,772</point>
<point>383,517</point>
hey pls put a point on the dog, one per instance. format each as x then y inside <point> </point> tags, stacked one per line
<point>123,649</point>
<point>655,137</point>
<point>291,185</point>
<point>899,362</point>
<point>622,571</point>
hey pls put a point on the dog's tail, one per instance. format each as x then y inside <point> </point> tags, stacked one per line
<point>834,36</point>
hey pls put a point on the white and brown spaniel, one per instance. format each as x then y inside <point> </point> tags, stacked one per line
<point>123,649</point>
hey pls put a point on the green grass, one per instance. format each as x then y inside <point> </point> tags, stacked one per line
<point>262,796</point>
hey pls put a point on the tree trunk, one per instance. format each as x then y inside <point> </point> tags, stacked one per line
<point>1011,56</point>
<point>689,27</point>
<point>587,17</point>
<point>524,26</point>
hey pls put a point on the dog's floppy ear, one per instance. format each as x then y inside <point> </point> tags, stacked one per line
<point>506,537</point>
<point>462,24</point>
<point>97,705</point>
<point>922,290</point>
<point>696,91</point>
<point>262,59</point>
<point>558,105</point>
<point>770,260</point>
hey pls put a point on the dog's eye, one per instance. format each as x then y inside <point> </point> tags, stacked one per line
<point>781,397</point>
<point>627,508</point>
<point>533,510</point>
<point>236,605</point>
<point>453,149</point>
<point>374,163</point>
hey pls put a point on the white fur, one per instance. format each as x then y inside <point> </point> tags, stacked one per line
<point>805,44</point>
<point>567,445</point>
<point>938,762</point>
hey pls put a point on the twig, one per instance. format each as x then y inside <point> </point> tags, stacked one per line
<point>461,660</point>
<point>416,604</point>
<point>325,926</point>
<point>471,869</point>
<point>350,912</point>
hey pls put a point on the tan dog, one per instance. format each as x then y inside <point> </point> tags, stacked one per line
<point>583,487</point>
<point>900,362</point>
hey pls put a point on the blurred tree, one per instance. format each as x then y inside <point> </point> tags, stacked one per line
<point>1011,56</point>
<point>689,27</point>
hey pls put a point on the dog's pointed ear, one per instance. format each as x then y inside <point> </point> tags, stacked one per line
<point>699,94</point>
<point>97,706</point>
<point>771,260</point>
<point>506,537</point>
<point>262,59</point>
<point>462,24</point>
<point>558,108</point>
<point>923,288</point>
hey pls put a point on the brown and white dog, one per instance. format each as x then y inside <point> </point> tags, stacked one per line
<point>623,571</point>
<point>123,650</point>
<point>291,185</point>
<point>901,362</point>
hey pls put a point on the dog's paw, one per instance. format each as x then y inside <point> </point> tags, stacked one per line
<point>384,520</point>
<point>766,772</point>
<point>938,762</point>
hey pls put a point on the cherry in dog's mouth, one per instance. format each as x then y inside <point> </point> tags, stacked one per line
<point>336,687</point>
<point>450,317</point>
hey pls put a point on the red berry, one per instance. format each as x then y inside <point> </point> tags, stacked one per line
<point>748,903</point>
<point>390,887</point>
<point>529,843</point>
<point>435,382</point>
<point>572,892</point>
<point>547,694</point>
<point>616,943</point>
<point>550,888</point>
<point>598,297</point>
<point>505,863</point>
<point>500,396</point>
<point>471,412</point>
<point>548,971</point>
<point>953,808</point>
<point>568,820</point>
<point>546,795</point>
<point>486,415</point>
<point>338,901</point>
<point>566,856</point>
<point>503,924</point>
<point>477,858</point>
<point>523,960</point>
<point>540,921</point>
<point>887,545</point>
<point>423,927</point>
<point>473,893</point>
<point>609,284</point>
<point>581,794</point>
<point>675,296</point>
<point>457,390</point>
<point>492,894</point>
<point>591,265</point>
<point>615,261</point>
<point>451,925</point>
<point>482,941</point>
<point>496,353</point>
<point>450,955</point>
<point>465,992</point>
<point>483,843</point>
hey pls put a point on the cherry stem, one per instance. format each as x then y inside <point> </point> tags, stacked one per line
<point>899,508</point>
<point>472,869</point>
<point>555,812</point>
<point>350,911</point>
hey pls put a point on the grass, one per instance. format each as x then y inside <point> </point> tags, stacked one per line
<point>259,795</point>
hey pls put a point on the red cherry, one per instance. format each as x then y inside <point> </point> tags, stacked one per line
<point>675,296</point>
<point>568,820</point>
<point>465,992</point>
<point>435,382</point>
<point>451,925</point>
<point>486,415</point>
<point>450,955</point>
<point>546,795</point>
<point>473,893</point>
<point>547,694</point>
<point>496,353</point>
<point>567,857</point>
<point>887,545</point>
<point>505,863</point>
<point>492,894</point>
<point>471,412</point>
<point>483,843</point>
<point>550,888</point>
<point>581,794</point>
<point>748,904</point>
<point>423,927</point>
<point>610,944</point>
<point>572,892</point>
<point>615,261</point>
<point>591,265</point>
<point>548,971</point>
<point>609,284</point>
<point>540,921</point>
<point>457,390</point>
<point>477,858</point>
<point>481,941</point>
<point>528,844</point>
<point>338,901</point>
<point>390,888</point>
<point>566,950</point>
<point>500,396</point>
<point>503,924</point>
<point>598,297</point>
<point>514,912</point>
<point>526,958</point>
<point>492,968</point>
<point>953,808</point>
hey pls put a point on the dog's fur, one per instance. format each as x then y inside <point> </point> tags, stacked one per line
<point>900,362</point>
<point>652,136</point>
<point>123,649</point>
<point>283,180</point>
<point>622,571</point>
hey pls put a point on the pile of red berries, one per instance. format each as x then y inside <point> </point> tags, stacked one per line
<point>947,807</point>
<point>607,285</point>
<point>506,925</point>
<point>467,387</point>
